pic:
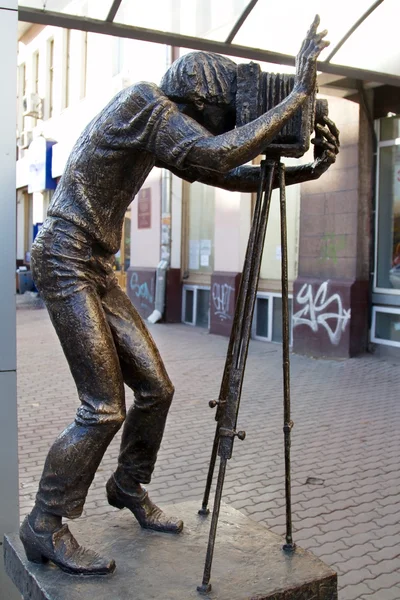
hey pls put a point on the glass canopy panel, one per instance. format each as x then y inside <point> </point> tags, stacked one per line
<point>208,19</point>
<point>95,9</point>
<point>281,26</point>
<point>375,44</point>
<point>53,5</point>
<point>274,25</point>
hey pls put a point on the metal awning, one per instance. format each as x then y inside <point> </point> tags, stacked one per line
<point>363,33</point>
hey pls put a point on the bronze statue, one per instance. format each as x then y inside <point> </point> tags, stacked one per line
<point>187,125</point>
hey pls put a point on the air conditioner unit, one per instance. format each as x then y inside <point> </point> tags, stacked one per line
<point>25,139</point>
<point>32,106</point>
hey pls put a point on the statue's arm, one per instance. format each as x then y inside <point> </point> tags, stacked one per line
<point>225,152</point>
<point>326,148</point>
<point>246,178</point>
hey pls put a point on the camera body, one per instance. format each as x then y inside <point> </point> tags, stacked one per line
<point>258,92</point>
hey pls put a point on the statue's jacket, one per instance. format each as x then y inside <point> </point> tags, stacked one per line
<point>113,156</point>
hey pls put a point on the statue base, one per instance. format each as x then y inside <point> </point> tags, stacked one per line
<point>249,563</point>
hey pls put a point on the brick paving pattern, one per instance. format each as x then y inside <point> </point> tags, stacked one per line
<point>346,436</point>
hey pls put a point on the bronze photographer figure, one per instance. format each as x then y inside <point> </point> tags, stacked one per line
<point>186,125</point>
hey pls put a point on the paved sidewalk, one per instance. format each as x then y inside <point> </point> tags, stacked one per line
<point>346,435</point>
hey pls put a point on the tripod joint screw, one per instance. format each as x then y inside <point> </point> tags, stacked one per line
<point>224,432</point>
<point>287,428</point>
<point>213,403</point>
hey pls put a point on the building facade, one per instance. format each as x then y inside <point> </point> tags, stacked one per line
<point>183,244</point>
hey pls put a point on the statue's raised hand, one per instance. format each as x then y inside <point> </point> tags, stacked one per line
<point>306,60</point>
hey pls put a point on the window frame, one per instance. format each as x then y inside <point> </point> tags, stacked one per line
<point>51,80</point>
<point>383,309</point>
<point>194,289</point>
<point>66,95</point>
<point>384,144</point>
<point>270,296</point>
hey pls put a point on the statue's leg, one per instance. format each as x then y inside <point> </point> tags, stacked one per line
<point>89,347</point>
<point>144,372</point>
<point>88,344</point>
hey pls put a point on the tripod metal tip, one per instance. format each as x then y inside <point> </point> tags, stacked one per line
<point>205,588</point>
<point>204,511</point>
<point>288,548</point>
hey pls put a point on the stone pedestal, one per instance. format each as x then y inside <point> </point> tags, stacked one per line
<point>249,563</point>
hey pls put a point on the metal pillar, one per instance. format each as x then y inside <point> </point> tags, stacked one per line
<point>9,513</point>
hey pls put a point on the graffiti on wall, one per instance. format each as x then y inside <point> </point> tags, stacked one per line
<point>321,310</point>
<point>142,291</point>
<point>221,297</point>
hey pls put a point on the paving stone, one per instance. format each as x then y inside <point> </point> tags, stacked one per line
<point>344,413</point>
<point>384,594</point>
<point>353,592</point>
<point>356,563</point>
<point>385,581</point>
<point>355,577</point>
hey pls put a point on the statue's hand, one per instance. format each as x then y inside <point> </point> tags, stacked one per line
<point>306,60</point>
<point>326,144</point>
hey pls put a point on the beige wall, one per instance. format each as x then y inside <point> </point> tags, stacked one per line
<point>145,243</point>
<point>232,227</point>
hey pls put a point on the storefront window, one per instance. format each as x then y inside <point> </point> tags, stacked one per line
<point>388,234</point>
<point>201,229</point>
<point>390,129</point>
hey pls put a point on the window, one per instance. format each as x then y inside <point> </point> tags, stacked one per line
<point>22,79</point>
<point>21,94</point>
<point>196,305</point>
<point>267,319</point>
<point>68,72</point>
<point>262,318</point>
<point>200,249</point>
<point>118,56</point>
<point>51,77</point>
<point>387,271</point>
<point>84,64</point>
<point>35,73</point>
<point>386,326</point>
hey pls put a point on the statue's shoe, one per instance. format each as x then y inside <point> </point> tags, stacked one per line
<point>62,549</point>
<point>148,515</point>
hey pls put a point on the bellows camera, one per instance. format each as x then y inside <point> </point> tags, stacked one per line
<point>258,92</point>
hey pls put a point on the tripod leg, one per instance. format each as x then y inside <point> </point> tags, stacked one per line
<point>288,423</point>
<point>235,340</point>
<point>204,510</point>
<point>236,362</point>
<point>205,587</point>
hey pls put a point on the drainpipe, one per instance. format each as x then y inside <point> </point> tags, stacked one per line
<point>366,109</point>
<point>165,249</point>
